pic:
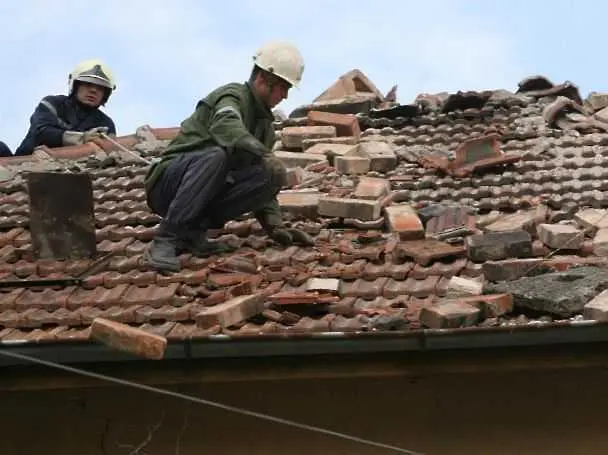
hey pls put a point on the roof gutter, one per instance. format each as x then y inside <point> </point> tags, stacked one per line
<point>340,343</point>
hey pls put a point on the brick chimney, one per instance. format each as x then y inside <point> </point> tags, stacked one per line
<point>62,221</point>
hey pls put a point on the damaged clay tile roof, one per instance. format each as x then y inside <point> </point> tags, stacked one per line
<point>430,215</point>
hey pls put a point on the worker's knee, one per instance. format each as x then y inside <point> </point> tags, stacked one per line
<point>216,157</point>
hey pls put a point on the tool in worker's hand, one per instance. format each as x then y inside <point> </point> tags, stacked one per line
<point>128,339</point>
<point>122,148</point>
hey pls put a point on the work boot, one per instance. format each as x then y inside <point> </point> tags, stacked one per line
<point>199,245</point>
<point>162,253</point>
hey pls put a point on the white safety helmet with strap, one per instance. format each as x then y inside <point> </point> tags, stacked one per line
<point>281,59</point>
<point>93,72</point>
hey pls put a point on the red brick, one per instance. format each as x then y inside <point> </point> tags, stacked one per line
<point>562,263</point>
<point>600,242</point>
<point>372,188</point>
<point>345,124</point>
<point>128,339</point>
<point>463,287</point>
<point>525,220</point>
<point>381,155</point>
<point>511,269</point>
<point>292,136</point>
<point>302,203</point>
<point>349,208</point>
<point>232,312</point>
<point>499,245</point>
<point>449,315</point>
<point>404,220</point>
<point>597,308</point>
<point>592,219</point>
<point>491,305</point>
<point>561,236</point>
<point>344,140</point>
<point>331,151</point>
<point>299,159</point>
<point>352,164</point>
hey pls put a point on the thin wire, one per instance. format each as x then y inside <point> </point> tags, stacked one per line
<point>202,401</point>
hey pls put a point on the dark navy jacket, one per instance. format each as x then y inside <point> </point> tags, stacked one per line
<point>47,127</point>
<point>4,150</point>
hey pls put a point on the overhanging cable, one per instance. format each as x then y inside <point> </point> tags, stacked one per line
<point>202,401</point>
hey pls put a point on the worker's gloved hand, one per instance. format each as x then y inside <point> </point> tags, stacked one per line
<point>276,170</point>
<point>252,145</point>
<point>72,138</point>
<point>290,236</point>
<point>95,133</point>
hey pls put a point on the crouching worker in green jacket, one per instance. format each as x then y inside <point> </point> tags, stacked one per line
<point>220,164</point>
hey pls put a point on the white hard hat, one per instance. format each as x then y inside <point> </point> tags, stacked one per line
<point>94,72</point>
<point>281,59</point>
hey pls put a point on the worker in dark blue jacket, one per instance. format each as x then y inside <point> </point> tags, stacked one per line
<point>4,150</point>
<point>61,120</point>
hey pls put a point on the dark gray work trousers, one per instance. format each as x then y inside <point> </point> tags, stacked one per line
<point>198,191</point>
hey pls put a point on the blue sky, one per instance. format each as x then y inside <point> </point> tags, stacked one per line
<point>168,54</point>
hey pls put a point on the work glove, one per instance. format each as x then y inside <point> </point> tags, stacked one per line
<point>247,151</point>
<point>250,144</point>
<point>72,138</point>
<point>95,133</point>
<point>77,138</point>
<point>290,236</point>
<point>276,170</point>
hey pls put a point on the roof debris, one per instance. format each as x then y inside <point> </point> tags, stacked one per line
<point>455,210</point>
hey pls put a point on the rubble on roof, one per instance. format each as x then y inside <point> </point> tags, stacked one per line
<point>540,86</point>
<point>596,101</point>
<point>566,114</point>
<point>436,214</point>
<point>352,93</point>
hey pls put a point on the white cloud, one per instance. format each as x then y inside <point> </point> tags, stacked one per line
<point>167,55</point>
